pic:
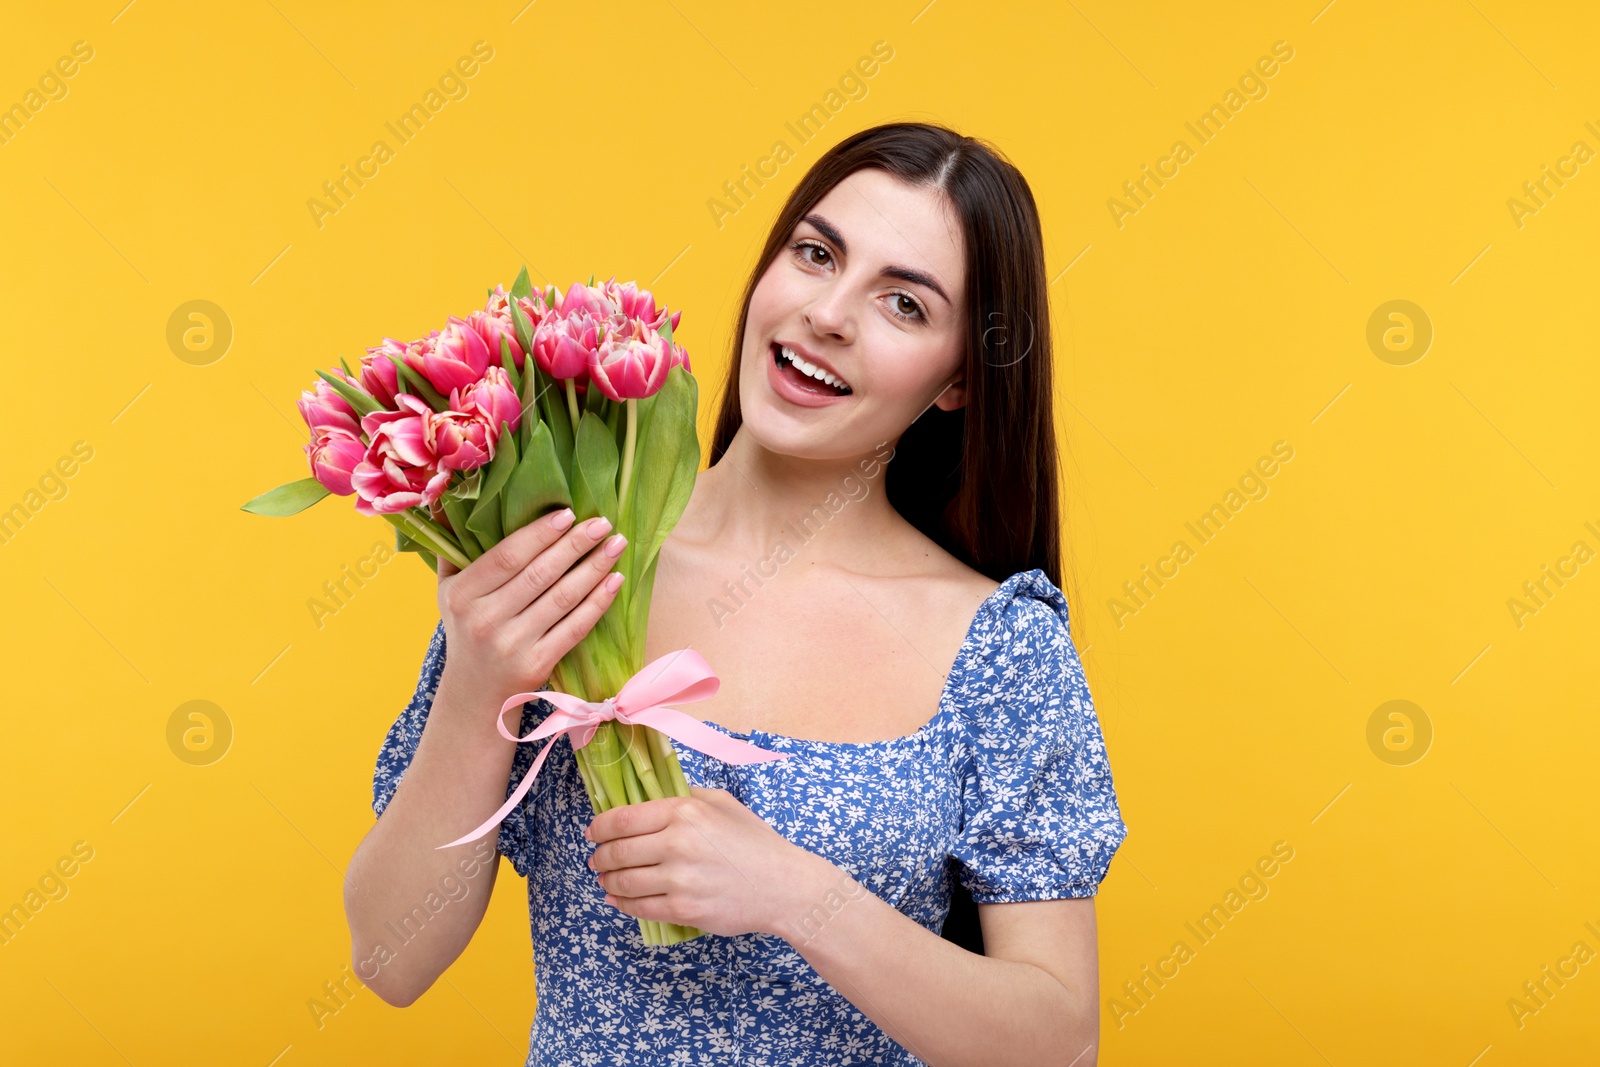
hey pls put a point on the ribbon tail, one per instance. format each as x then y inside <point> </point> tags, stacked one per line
<point>511,802</point>
<point>697,735</point>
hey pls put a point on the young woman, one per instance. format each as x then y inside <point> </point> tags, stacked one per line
<point>871,565</point>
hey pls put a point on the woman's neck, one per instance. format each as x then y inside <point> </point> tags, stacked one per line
<point>753,498</point>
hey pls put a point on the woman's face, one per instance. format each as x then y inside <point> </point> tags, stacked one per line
<point>871,287</point>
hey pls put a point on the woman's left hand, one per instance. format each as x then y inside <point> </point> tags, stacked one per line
<point>704,860</point>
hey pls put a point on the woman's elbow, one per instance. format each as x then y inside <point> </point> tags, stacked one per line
<point>393,987</point>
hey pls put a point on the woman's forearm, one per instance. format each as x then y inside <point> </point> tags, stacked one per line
<point>947,1006</point>
<point>412,908</point>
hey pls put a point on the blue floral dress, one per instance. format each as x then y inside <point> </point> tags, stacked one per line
<point>1010,778</point>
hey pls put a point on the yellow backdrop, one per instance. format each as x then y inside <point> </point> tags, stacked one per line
<point>1323,284</point>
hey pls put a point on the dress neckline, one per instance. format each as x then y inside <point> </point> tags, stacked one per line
<point>1004,589</point>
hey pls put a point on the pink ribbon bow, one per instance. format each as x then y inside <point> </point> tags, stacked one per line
<point>640,701</point>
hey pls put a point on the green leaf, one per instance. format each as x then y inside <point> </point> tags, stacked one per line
<point>287,499</point>
<point>484,522</point>
<point>522,286</point>
<point>360,401</point>
<point>522,326</point>
<point>466,486</point>
<point>594,492</point>
<point>419,386</point>
<point>615,415</point>
<point>666,329</point>
<point>594,470</point>
<point>666,460</point>
<point>552,405</point>
<point>456,509</point>
<point>510,364</point>
<point>346,367</point>
<point>403,542</point>
<point>536,486</point>
<point>533,384</point>
<point>638,611</point>
<point>591,279</point>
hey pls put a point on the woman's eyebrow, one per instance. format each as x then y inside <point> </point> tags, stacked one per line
<point>905,274</point>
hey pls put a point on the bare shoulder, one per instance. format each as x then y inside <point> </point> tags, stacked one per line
<point>940,589</point>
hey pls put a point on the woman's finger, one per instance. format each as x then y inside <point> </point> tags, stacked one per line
<point>506,560</point>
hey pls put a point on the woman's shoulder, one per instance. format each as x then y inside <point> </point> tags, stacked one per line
<point>950,588</point>
<point>986,622</point>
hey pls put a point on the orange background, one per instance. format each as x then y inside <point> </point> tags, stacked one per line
<point>1229,312</point>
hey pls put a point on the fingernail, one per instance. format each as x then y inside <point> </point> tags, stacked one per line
<point>598,526</point>
<point>562,519</point>
<point>615,546</point>
<point>614,581</point>
<point>588,833</point>
<point>591,863</point>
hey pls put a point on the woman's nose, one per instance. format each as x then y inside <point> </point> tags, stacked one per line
<point>831,314</point>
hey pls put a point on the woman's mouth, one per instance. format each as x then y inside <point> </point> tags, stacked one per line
<point>805,379</point>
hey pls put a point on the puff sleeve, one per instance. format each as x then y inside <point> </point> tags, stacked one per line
<point>400,745</point>
<point>1040,818</point>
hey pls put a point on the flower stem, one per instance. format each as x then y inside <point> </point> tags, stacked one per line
<point>639,752</point>
<point>418,528</point>
<point>668,770</point>
<point>591,788</point>
<point>627,461</point>
<point>572,403</point>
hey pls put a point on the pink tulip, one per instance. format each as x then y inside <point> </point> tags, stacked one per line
<point>333,455</point>
<point>680,356</point>
<point>636,303</point>
<point>584,299</point>
<point>494,399</point>
<point>379,375</point>
<point>462,440</point>
<point>324,409</point>
<point>564,344</point>
<point>492,328</point>
<point>416,353</point>
<point>457,357</point>
<point>534,307</point>
<point>634,364</point>
<point>399,469</point>
<point>499,303</point>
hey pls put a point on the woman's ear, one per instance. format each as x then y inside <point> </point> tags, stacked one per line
<point>954,395</point>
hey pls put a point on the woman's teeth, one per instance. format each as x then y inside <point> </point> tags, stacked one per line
<point>811,370</point>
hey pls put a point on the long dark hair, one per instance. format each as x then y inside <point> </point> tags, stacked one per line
<point>980,481</point>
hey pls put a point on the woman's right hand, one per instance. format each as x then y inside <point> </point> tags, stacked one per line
<point>517,609</point>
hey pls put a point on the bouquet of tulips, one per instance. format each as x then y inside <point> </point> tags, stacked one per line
<point>460,438</point>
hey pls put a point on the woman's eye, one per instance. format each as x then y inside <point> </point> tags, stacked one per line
<point>906,307</point>
<point>812,254</point>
